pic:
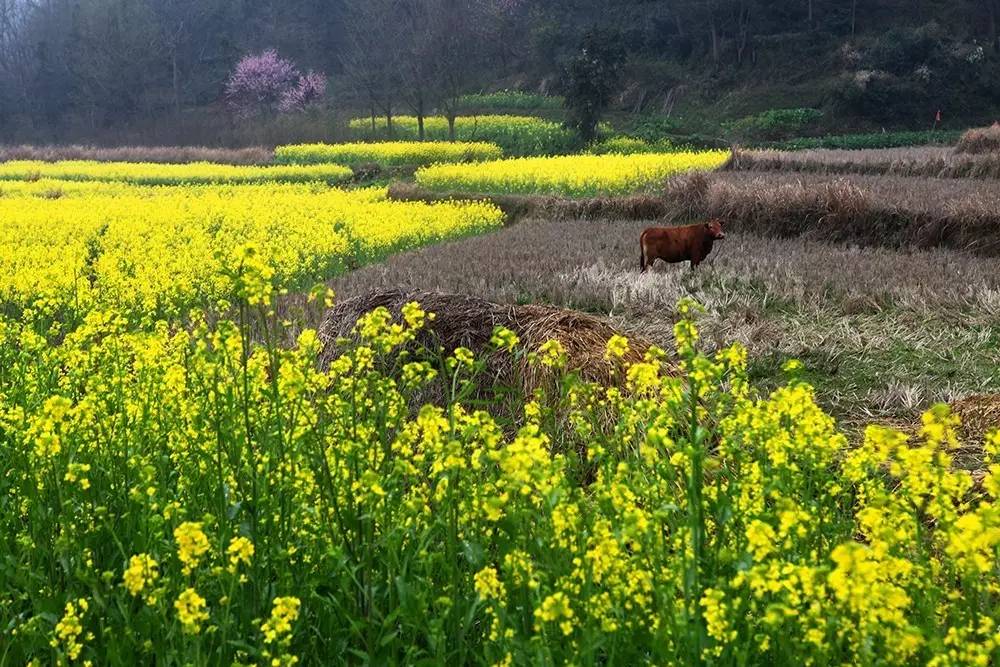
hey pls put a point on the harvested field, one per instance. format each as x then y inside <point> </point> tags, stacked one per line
<point>883,333</point>
<point>547,207</point>
<point>930,161</point>
<point>896,212</point>
<point>163,154</point>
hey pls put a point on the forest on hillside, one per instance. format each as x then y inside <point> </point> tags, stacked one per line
<point>79,69</point>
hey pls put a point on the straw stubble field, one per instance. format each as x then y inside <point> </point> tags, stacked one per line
<point>883,332</point>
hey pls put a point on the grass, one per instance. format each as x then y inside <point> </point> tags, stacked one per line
<point>884,333</point>
<point>869,140</point>
<point>510,99</point>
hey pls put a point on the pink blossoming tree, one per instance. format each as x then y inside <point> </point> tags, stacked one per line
<point>268,84</point>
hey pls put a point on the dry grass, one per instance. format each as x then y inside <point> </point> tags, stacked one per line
<point>547,207</point>
<point>883,333</point>
<point>467,321</point>
<point>929,161</point>
<point>168,154</point>
<point>896,212</point>
<point>980,140</point>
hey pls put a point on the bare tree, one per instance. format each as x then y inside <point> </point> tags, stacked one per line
<point>459,48</point>
<point>417,64</point>
<point>371,60</point>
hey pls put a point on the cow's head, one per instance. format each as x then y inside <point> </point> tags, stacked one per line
<point>714,228</point>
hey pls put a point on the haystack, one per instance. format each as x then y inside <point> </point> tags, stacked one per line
<point>466,321</point>
<point>979,415</point>
<point>980,140</point>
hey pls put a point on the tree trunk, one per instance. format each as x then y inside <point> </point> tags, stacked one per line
<point>451,126</point>
<point>810,12</point>
<point>420,119</point>
<point>994,9</point>
<point>744,33</point>
<point>176,81</point>
<point>390,130</point>
<point>715,39</point>
<point>854,16</point>
<point>374,130</point>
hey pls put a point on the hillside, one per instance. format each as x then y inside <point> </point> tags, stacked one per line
<point>95,71</point>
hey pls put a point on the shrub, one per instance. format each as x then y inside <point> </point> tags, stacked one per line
<point>773,124</point>
<point>396,153</point>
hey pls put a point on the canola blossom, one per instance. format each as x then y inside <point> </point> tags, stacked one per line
<point>574,176</point>
<point>389,153</point>
<point>246,505</point>
<point>150,173</point>
<point>159,251</point>
<point>516,135</point>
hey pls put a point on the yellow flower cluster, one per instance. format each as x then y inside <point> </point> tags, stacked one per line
<point>196,173</point>
<point>284,613</point>
<point>191,611</point>
<point>142,571</point>
<point>69,629</point>
<point>160,250</point>
<point>191,544</point>
<point>575,175</point>
<point>407,514</point>
<point>390,153</point>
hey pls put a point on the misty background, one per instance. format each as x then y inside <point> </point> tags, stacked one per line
<point>155,71</point>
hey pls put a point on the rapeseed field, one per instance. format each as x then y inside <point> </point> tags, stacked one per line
<point>179,486</point>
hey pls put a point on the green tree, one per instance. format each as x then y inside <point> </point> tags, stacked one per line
<point>590,79</point>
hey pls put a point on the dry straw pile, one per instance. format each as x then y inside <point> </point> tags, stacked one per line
<point>980,141</point>
<point>466,321</point>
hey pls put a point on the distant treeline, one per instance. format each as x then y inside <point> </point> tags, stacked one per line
<point>70,67</point>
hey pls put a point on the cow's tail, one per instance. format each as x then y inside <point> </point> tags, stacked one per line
<point>642,253</point>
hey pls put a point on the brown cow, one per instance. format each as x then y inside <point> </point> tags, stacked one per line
<point>679,244</point>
